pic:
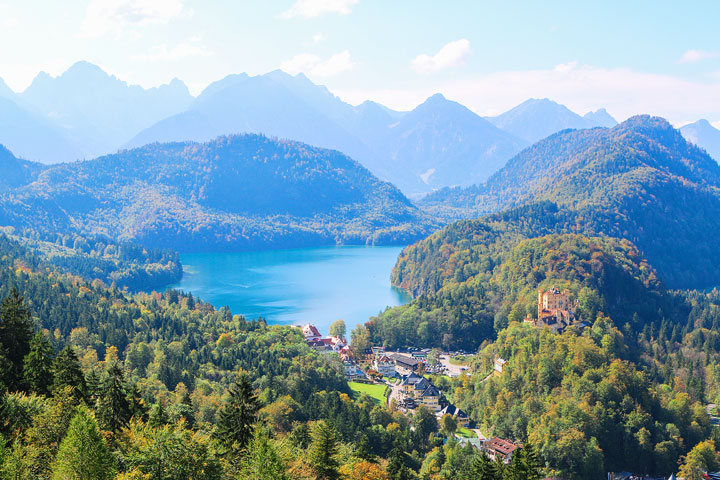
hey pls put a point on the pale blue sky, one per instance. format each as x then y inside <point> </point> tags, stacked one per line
<point>657,57</point>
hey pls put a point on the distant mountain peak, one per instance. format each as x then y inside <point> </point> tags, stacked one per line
<point>537,118</point>
<point>85,67</point>
<point>601,118</point>
<point>703,134</point>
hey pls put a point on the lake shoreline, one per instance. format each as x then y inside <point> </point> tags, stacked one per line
<point>299,285</point>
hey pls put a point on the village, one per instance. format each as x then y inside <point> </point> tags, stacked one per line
<point>406,378</point>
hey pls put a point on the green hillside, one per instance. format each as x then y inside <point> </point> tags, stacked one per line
<point>640,181</point>
<point>490,277</point>
<point>236,192</point>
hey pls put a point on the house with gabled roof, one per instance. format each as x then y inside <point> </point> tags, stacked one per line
<point>310,332</point>
<point>500,448</point>
<point>404,364</point>
<point>461,417</point>
<point>384,365</point>
<point>408,384</point>
<point>430,397</point>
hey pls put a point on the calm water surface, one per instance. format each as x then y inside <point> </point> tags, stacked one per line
<point>309,285</point>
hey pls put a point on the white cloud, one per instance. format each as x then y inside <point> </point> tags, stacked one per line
<point>8,17</point>
<point>317,67</point>
<point>692,56</point>
<point>582,88</point>
<point>191,48</point>
<point>7,23</point>
<point>451,55</point>
<point>115,16</point>
<point>565,67</point>
<point>317,8</point>
<point>716,125</point>
<point>317,38</point>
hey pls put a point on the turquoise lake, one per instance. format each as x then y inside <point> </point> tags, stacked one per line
<point>292,287</point>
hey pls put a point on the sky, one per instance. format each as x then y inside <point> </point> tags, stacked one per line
<point>658,57</point>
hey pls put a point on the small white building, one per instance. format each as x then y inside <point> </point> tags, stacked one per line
<point>310,332</point>
<point>499,365</point>
<point>352,370</point>
<point>384,365</point>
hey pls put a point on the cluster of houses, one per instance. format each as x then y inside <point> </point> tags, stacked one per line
<point>332,344</point>
<point>415,389</point>
<point>394,364</point>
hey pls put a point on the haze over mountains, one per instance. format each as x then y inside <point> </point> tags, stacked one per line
<point>85,112</point>
<point>238,192</point>
<point>704,135</point>
<point>535,119</point>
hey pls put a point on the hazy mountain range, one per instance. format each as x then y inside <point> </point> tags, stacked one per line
<point>704,135</point>
<point>535,119</point>
<point>85,112</point>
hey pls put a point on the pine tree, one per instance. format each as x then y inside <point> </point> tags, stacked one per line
<point>485,469</point>
<point>323,451</point>
<point>397,469</point>
<point>16,332</point>
<point>396,460</point>
<point>66,371</point>
<point>262,461</point>
<point>83,454</point>
<point>113,406</point>
<point>37,368</point>
<point>300,436</point>
<point>138,409</point>
<point>527,463</point>
<point>362,450</point>
<point>185,410</point>
<point>238,415</point>
<point>158,416</point>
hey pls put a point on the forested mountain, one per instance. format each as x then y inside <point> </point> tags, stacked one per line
<point>704,135</point>
<point>115,263</point>
<point>16,172</point>
<point>235,192</point>
<point>639,180</point>
<point>99,112</point>
<point>472,277</point>
<point>535,119</point>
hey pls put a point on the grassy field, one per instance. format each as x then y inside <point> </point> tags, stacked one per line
<point>461,360</point>
<point>464,432</point>
<point>375,391</point>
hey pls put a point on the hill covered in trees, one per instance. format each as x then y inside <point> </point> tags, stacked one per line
<point>468,291</point>
<point>98,258</point>
<point>640,181</point>
<point>235,192</point>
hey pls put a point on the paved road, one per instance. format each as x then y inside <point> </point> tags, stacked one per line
<point>394,393</point>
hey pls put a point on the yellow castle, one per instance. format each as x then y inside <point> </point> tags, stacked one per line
<point>554,310</point>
